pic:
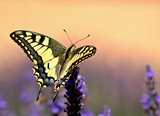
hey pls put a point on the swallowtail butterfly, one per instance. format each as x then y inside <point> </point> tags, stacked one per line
<point>48,54</point>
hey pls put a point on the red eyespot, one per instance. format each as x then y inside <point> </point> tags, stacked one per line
<point>56,83</point>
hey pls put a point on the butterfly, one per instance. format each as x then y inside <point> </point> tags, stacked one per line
<point>50,57</point>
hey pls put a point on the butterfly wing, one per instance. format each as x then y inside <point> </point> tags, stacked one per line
<point>43,51</point>
<point>78,56</point>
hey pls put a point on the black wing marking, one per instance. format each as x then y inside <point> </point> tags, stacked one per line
<point>78,56</point>
<point>43,51</point>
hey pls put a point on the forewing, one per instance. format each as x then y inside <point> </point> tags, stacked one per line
<point>78,56</point>
<point>43,51</point>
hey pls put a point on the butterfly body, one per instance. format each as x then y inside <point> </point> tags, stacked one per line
<point>48,54</point>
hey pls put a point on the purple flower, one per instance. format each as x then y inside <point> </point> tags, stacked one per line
<point>157,98</point>
<point>146,106</point>
<point>150,73</point>
<point>151,100</point>
<point>29,77</point>
<point>60,103</point>
<point>74,94</point>
<point>25,97</point>
<point>81,83</point>
<point>55,110</point>
<point>3,103</point>
<point>52,108</point>
<point>37,109</point>
<point>145,99</point>
<point>3,108</point>
<point>88,113</point>
<point>106,111</point>
<point>56,107</point>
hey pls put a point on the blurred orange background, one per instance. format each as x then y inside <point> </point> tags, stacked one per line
<point>125,33</point>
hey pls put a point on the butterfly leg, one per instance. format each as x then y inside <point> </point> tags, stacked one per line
<point>40,90</point>
<point>55,95</point>
<point>56,89</point>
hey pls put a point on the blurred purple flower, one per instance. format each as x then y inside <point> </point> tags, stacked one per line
<point>145,101</point>
<point>53,109</point>
<point>4,108</point>
<point>106,111</point>
<point>57,107</point>
<point>25,97</point>
<point>150,73</point>
<point>29,77</point>
<point>145,98</point>
<point>157,98</point>
<point>38,109</point>
<point>88,113</point>
<point>3,103</point>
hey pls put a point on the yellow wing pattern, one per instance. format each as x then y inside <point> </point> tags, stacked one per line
<point>43,51</point>
<point>77,56</point>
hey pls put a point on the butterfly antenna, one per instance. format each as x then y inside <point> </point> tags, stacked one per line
<point>67,35</point>
<point>82,39</point>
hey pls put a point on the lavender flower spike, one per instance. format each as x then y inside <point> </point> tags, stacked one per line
<point>73,94</point>
<point>151,100</point>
